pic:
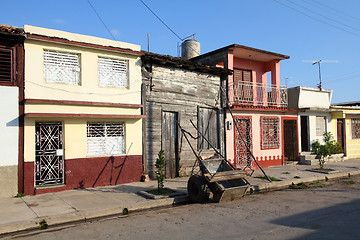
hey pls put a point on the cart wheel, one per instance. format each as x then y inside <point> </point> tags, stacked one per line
<point>197,189</point>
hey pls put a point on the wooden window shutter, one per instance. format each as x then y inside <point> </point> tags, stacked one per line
<point>247,76</point>
<point>6,65</point>
<point>238,75</point>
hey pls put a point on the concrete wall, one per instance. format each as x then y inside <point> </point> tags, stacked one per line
<point>88,90</point>
<point>86,98</point>
<point>9,140</point>
<point>259,153</point>
<point>307,97</point>
<point>312,126</point>
<point>352,145</point>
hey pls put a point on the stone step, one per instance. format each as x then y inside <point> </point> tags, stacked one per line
<point>304,161</point>
<point>309,157</point>
<point>306,153</point>
<point>314,159</point>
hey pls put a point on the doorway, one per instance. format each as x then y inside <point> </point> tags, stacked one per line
<point>169,143</point>
<point>290,140</point>
<point>340,123</point>
<point>304,121</point>
<point>242,155</point>
<point>49,157</point>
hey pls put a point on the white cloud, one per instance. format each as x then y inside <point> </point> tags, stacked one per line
<point>59,21</point>
<point>115,32</point>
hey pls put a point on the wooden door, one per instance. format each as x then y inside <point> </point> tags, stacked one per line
<point>243,89</point>
<point>340,123</point>
<point>290,140</point>
<point>169,143</point>
<point>242,155</point>
<point>304,120</point>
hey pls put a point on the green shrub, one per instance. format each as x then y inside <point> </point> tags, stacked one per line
<point>330,147</point>
<point>160,166</point>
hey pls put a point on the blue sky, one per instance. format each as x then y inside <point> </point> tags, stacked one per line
<point>303,29</point>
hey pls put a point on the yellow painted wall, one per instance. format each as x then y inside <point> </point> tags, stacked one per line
<point>75,141</point>
<point>88,90</point>
<point>352,145</point>
<point>74,135</point>
<point>79,109</point>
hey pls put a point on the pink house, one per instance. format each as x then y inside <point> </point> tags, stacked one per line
<point>259,106</point>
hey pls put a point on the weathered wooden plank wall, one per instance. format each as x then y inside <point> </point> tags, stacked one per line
<point>182,91</point>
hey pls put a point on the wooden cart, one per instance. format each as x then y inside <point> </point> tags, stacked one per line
<point>218,177</point>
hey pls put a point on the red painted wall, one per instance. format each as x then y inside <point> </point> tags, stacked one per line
<point>265,162</point>
<point>90,172</point>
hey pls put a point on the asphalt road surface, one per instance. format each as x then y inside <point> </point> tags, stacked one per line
<point>320,212</point>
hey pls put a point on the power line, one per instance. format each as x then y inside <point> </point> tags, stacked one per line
<point>337,11</point>
<point>161,20</point>
<point>102,20</point>
<point>317,13</point>
<point>316,19</point>
<point>181,39</point>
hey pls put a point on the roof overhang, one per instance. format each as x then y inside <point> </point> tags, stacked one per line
<point>183,63</point>
<point>81,44</point>
<point>245,52</point>
<point>250,53</point>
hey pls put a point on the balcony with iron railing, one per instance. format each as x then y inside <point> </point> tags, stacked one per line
<point>257,95</point>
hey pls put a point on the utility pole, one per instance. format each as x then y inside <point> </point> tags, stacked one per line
<point>318,62</point>
<point>148,42</point>
<point>286,79</point>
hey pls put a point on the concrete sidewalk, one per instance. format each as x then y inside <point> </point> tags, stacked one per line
<point>26,213</point>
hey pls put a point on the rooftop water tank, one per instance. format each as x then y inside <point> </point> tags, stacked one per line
<point>190,48</point>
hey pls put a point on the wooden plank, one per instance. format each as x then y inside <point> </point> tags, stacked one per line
<point>227,175</point>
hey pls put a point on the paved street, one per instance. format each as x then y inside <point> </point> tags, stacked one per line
<point>329,212</point>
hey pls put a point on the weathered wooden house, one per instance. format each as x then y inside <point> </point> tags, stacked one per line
<point>177,93</point>
<point>11,121</point>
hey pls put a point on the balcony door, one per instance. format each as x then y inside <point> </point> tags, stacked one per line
<point>243,88</point>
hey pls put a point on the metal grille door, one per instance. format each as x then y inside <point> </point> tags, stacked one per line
<point>49,160</point>
<point>242,155</point>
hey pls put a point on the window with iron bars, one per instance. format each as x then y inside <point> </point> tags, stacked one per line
<point>105,138</point>
<point>355,128</point>
<point>270,138</point>
<point>112,72</point>
<point>320,126</point>
<point>61,67</point>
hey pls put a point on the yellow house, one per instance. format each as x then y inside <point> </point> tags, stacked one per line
<point>83,122</point>
<point>346,125</point>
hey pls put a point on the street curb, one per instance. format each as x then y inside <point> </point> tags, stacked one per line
<point>53,221</point>
<point>273,186</point>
